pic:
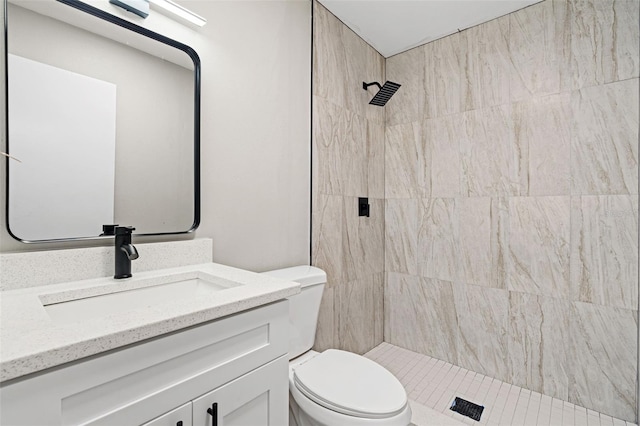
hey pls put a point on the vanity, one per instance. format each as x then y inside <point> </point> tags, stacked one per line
<point>201,344</point>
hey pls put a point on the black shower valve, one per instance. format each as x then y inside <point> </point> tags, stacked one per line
<point>363,207</point>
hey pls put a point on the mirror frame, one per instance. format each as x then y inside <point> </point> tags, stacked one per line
<point>101,14</point>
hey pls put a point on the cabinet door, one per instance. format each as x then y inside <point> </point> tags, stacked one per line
<point>181,416</point>
<point>260,397</point>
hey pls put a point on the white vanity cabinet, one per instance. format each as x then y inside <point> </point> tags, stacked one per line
<point>238,362</point>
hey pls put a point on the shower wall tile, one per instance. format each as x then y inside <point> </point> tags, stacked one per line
<point>542,132</point>
<point>604,139</point>
<point>363,239</point>
<point>486,65</point>
<point>488,152</point>
<point>422,315</point>
<point>354,313</point>
<point>407,104</point>
<point>362,63</point>
<point>603,371</point>
<point>442,136</point>
<point>540,351</point>
<point>329,56</point>
<point>405,157</point>
<point>604,250</point>
<point>348,161</point>
<point>517,196</point>
<point>482,241</point>
<point>443,78</point>
<point>437,232</point>
<point>604,41</point>
<point>342,61</point>
<point>378,282</point>
<point>375,159</point>
<point>326,331</point>
<point>354,165</point>
<point>538,46</point>
<point>482,319</point>
<point>327,146</point>
<point>401,242</point>
<point>327,246</point>
<point>539,234</point>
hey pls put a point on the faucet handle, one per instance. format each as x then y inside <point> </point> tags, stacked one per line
<point>109,229</point>
<point>124,230</point>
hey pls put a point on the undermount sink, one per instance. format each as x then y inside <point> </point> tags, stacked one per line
<point>118,297</point>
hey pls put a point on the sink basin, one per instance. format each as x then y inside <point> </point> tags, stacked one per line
<point>115,297</point>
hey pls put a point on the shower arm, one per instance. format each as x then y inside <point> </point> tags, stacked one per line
<point>365,86</point>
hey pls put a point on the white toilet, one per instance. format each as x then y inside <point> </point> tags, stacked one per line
<point>334,388</point>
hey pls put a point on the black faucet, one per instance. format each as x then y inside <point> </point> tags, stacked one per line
<point>125,251</point>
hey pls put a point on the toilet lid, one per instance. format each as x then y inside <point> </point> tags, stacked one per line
<point>350,384</point>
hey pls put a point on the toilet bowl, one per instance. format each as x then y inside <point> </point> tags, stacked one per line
<point>334,387</point>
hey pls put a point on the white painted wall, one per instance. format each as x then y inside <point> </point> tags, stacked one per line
<point>256,88</point>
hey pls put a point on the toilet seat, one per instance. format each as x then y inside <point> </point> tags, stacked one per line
<point>356,385</point>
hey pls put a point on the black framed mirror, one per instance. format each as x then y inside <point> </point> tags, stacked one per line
<point>104,116</point>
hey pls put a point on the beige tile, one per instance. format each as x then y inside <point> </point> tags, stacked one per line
<point>538,47</point>
<point>407,104</point>
<point>329,62</point>
<point>443,77</point>
<point>603,371</point>
<point>404,160</point>
<point>542,133</point>
<point>378,308</point>
<point>539,349</point>
<point>353,144</point>
<point>375,160</point>
<point>486,65</point>
<point>539,234</point>
<point>604,41</point>
<point>327,156</point>
<point>604,250</point>
<point>354,314</point>
<point>437,232</point>
<point>604,139</point>
<point>362,63</point>
<point>481,246</point>
<point>326,330</point>
<point>401,242</point>
<point>442,136</point>
<point>362,239</point>
<point>326,249</point>
<point>488,153</point>
<point>482,318</point>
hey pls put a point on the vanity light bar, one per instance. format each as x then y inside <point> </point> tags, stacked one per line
<point>180,11</point>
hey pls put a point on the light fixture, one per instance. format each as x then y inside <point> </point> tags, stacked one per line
<point>139,7</point>
<point>180,11</point>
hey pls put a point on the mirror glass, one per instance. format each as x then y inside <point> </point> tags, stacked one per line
<point>104,119</point>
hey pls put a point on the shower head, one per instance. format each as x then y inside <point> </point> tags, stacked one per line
<point>384,94</point>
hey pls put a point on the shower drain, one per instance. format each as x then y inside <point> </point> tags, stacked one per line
<point>466,408</point>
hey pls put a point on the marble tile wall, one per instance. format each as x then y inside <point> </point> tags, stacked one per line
<point>348,162</point>
<point>511,201</point>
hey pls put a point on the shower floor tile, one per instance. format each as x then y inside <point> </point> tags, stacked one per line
<point>433,384</point>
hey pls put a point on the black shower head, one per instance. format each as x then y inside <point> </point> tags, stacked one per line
<point>384,94</point>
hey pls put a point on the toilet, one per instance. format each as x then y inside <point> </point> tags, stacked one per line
<point>334,387</point>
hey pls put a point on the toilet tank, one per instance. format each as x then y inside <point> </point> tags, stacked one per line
<point>303,307</point>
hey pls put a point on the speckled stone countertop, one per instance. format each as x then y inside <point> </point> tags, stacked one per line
<point>30,341</point>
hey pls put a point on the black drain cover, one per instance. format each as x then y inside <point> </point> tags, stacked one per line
<point>467,408</point>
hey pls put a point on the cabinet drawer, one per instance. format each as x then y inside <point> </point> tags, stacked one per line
<point>137,383</point>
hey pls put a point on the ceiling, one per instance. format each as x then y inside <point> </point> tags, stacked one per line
<point>393,26</point>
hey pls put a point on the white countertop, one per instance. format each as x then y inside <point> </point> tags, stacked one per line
<point>31,341</point>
